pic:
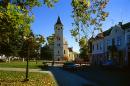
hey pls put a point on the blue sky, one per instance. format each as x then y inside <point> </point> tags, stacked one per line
<point>45,18</point>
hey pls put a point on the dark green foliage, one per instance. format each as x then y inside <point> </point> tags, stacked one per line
<point>84,53</point>
<point>46,53</point>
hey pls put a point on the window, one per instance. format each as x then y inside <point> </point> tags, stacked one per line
<point>58,38</point>
<point>58,44</point>
<point>113,41</point>
<point>128,30</point>
<point>97,46</point>
<point>93,47</point>
<point>58,51</point>
<point>61,27</point>
<point>118,41</point>
<point>128,38</point>
<point>108,42</point>
<point>64,51</point>
<point>100,46</point>
<point>58,28</point>
<point>116,30</point>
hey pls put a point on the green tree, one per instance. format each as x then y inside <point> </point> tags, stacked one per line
<point>46,52</point>
<point>88,16</point>
<point>37,44</point>
<point>83,49</point>
<point>50,39</point>
<point>13,26</point>
<point>15,17</point>
<point>34,45</point>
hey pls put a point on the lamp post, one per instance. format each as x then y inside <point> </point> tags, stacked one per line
<point>26,79</point>
<point>37,51</point>
<point>28,40</point>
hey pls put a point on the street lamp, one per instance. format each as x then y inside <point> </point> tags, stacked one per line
<point>28,40</point>
<point>37,51</point>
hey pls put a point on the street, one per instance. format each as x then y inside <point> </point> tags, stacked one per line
<point>105,77</point>
<point>65,78</point>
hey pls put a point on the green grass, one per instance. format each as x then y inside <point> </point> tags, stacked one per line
<point>20,64</point>
<point>9,78</point>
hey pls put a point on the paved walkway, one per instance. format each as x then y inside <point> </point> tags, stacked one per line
<point>22,69</point>
<point>65,78</point>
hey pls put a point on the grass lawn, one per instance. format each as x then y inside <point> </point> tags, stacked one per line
<point>20,64</point>
<point>9,78</point>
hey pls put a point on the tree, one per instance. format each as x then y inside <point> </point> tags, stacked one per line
<point>15,21</point>
<point>88,16</point>
<point>34,46</point>
<point>84,49</point>
<point>37,44</point>
<point>13,26</point>
<point>46,53</point>
<point>50,39</point>
<point>47,50</point>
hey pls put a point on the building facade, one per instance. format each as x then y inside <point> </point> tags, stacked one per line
<point>61,49</point>
<point>112,44</point>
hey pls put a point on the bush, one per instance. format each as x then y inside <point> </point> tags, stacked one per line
<point>45,65</point>
<point>1,60</point>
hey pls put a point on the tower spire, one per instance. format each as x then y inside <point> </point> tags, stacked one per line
<point>59,21</point>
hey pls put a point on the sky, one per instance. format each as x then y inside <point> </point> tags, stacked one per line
<point>45,18</point>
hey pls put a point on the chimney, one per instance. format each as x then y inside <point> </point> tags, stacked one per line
<point>120,23</point>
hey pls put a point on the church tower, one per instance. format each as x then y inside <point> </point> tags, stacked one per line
<point>58,42</point>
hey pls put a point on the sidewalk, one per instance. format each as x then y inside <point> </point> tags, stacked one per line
<point>22,69</point>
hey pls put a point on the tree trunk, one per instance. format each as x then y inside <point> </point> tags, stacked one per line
<point>23,59</point>
<point>9,59</point>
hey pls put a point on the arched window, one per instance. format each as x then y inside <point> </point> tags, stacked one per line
<point>64,51</point>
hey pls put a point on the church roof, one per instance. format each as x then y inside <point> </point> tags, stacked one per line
<point>59,21</point>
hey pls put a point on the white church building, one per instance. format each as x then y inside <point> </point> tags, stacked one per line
<point>61,49</point>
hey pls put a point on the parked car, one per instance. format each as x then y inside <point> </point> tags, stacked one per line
<point>108,64</point>
<point>70,66</point>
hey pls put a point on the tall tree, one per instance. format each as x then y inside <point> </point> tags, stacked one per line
<point>84,49</point>
<point>50,39</point>
<point>47,50</point>
<point>16,16</point>
<point>13,26</point>
<point>88,16</point>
